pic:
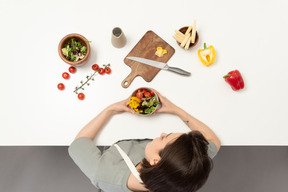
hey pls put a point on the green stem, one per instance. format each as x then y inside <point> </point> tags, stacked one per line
<point>85,82</point>
<point>205,47</point>
<point>228,75</point>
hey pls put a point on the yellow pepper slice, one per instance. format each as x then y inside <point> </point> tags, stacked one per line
<point>160,52</point>
<point>207,55</point>
<point>136,99</point>
<point>134,103</point>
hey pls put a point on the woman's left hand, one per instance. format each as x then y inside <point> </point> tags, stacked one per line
<point>120,107</point>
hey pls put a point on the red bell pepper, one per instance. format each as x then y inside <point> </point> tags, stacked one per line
<point>235,80</point>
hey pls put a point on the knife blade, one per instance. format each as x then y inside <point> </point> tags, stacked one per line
<point>160,65</point>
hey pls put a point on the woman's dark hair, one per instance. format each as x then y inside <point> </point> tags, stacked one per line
<point>184,165</point>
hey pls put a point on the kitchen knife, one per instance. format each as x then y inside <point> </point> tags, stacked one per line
<point>159,65</point>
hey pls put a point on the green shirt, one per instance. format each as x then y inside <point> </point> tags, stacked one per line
<point>108,171</point>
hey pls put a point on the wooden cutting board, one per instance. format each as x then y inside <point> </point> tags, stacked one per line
<point>146,48</point>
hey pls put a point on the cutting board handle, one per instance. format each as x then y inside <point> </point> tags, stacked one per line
<point>128,80</point>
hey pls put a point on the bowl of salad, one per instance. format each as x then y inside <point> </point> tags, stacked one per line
<point>144,101</point>
<point>74,49</point>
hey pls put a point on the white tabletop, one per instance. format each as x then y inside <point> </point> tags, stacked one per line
<point>250,36</point>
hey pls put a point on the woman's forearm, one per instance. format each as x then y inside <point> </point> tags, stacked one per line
<point>195,124</point>
<point>95,125</point>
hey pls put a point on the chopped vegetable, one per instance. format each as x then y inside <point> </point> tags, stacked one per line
<point>160,52</point>
<point>134,103</point>
<point>74,51</point>
<point>144,102</point>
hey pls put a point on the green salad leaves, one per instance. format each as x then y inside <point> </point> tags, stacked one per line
<point>74,51</point>
<point>149,105</point>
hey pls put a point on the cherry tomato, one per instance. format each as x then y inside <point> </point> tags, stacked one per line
<point>61,86</point>
<point>72,69</point>
<point>65,75</point>
<point>144,91</point>
<point>81,96</point>
<point>107,70</point>
<point>147,94</point>
<point>95,67</point>
<point>139,95</point>
<point>140,90</point>
<point>151,93</point>
<point>101,71</point>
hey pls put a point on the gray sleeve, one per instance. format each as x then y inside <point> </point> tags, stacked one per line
<point>212,149</point>
<point>86,156</point>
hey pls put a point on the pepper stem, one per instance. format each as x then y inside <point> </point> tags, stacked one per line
<point>228,75</point>
<point>205,47</point>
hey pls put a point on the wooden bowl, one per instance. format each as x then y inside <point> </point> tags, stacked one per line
<point>67,39</point>
<point>183,30</point>
<point>156,97</point>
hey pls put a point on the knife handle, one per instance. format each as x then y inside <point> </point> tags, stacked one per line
<point>178,70</point>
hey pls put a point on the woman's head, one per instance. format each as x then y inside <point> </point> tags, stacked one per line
<point>176,162</point>
<point>153,148</point>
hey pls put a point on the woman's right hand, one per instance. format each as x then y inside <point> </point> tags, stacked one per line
<point>120,107</point>
<point>166,105</point>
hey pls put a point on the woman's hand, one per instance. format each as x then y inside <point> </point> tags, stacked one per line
<point>166,105</point>
<point>120,107</point>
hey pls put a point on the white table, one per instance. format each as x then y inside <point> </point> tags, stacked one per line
<point>250,36</point>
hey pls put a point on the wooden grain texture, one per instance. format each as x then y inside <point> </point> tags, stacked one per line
<point>146,48</point>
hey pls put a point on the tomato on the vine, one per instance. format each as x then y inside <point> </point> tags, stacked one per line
<point>65,75</point>
<point>101,71</point>
<point>107,70</point>
<point>95,67</point>
<point>72,69</point>
<point>61,86</point>
<point>81,96</point>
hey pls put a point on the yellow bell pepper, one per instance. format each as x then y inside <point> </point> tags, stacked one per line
<point>207,55</point>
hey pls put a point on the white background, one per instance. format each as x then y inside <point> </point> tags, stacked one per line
<point>250,36</point>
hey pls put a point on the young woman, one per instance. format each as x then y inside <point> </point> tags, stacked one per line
<point>172,162</point>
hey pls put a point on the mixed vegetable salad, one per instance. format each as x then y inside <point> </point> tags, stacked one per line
<point>144,101</point>
<point>74,51</point>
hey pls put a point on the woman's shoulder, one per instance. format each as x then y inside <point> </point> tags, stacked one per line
<point>212,149</point>
<point>112,167</point>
